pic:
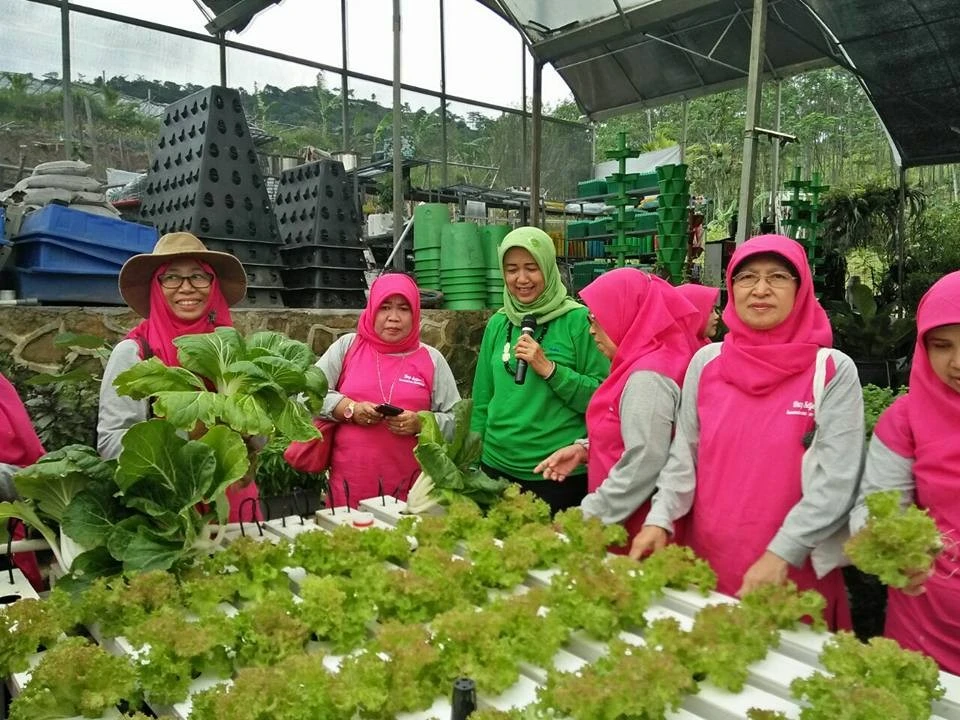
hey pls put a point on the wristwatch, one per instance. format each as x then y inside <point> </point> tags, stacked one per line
<point>348,410</point>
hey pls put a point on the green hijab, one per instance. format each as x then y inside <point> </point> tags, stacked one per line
<point>553,301</point>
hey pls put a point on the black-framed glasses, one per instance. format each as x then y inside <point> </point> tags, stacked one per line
<point>172,281</point>
<point>777,280</point>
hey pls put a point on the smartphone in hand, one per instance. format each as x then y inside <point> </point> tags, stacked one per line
<point>388,410</point>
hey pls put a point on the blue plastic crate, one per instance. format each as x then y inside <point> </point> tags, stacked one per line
<point>68,225</point>
<point>43,253</point>
<point>68,287</point>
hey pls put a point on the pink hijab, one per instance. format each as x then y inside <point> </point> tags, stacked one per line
<point>163,326</point>
<point>923,426</point>
<point>757,361</point>
<point>934,408</point>
<point>19,444</point>
<point>704,298</point>
<point>653,327</point>
<point>382,288</point>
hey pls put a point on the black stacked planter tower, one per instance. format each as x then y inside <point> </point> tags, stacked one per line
<point>320,229</point>
<point>206,179</point>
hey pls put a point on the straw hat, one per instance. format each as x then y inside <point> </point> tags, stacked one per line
<point>137,272</point>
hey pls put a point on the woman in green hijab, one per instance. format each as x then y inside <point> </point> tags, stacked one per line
<point>521,423</point>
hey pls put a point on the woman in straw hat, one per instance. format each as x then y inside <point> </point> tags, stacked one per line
<point>181,288</point>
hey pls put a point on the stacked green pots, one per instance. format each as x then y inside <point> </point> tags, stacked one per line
<point>493,235</point>
<point>673,218</point>
<point>463,267</point>
<point>428,222</point>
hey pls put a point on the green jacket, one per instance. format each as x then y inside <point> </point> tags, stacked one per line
<point>523,424</point>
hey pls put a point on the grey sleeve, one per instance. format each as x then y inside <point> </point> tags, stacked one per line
<point>833,477</point>
<point>678,479</point>
<point>648,407</point>
<point>118,413</point>
<point>8,493</point>
<point>445,393</point>
<point>331,363</point>
<point>885,470</point>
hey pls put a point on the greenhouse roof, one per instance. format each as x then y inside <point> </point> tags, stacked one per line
<point>622,55</point>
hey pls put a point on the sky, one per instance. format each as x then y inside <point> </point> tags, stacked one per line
<point>484,53</point>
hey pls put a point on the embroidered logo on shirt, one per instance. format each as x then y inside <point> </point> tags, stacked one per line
<point>803,408</point>
<point>412,380</point>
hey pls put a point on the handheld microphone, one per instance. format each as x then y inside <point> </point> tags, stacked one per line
<point>527,327</point>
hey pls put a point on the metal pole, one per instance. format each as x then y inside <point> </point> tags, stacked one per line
<point>593,150</point>
<point>523,100</point>
<point>396,246</point>
<point>901,232</point>
<point>754,84</point>
<point>344,89</point>
<point>537,130</point>
<point>443,99</point>
<point>221,37</point>
<point>775,180</point>
<point>683,141</point>
<point>398,262</point>
<point>67,86</point>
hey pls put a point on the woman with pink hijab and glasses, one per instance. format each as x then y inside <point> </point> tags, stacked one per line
<point>649,333</point>
<point>383,363</point>
<point>914,449</point>
<point>757,505</point>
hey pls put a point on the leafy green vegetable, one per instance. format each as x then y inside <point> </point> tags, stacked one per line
<point>148,517</point>
<point>50,485</point>
<point>588,534</point>
<point>27,625</point>
<point>251,386</point>
<point>75,678</point>
<point>895,542</point>
<point>869,680</point>
<point>58,476</point>
<point>172,650</point>
<point>628,682</point>
<point>449,469</point>
<point>138,512</point>
<point>875,401</point>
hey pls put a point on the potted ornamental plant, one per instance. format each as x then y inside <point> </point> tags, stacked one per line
<point>878,338</point>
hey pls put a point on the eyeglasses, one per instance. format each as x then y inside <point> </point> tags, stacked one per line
<point>775,280</point>
<point>172,281</point>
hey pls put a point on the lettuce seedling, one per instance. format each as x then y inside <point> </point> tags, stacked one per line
<point>75,678</point>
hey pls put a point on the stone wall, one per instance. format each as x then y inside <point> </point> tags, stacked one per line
<point>27,333</point>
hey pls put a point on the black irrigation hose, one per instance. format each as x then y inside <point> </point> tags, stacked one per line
<point>11,526</point>
<point>253,515</point>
